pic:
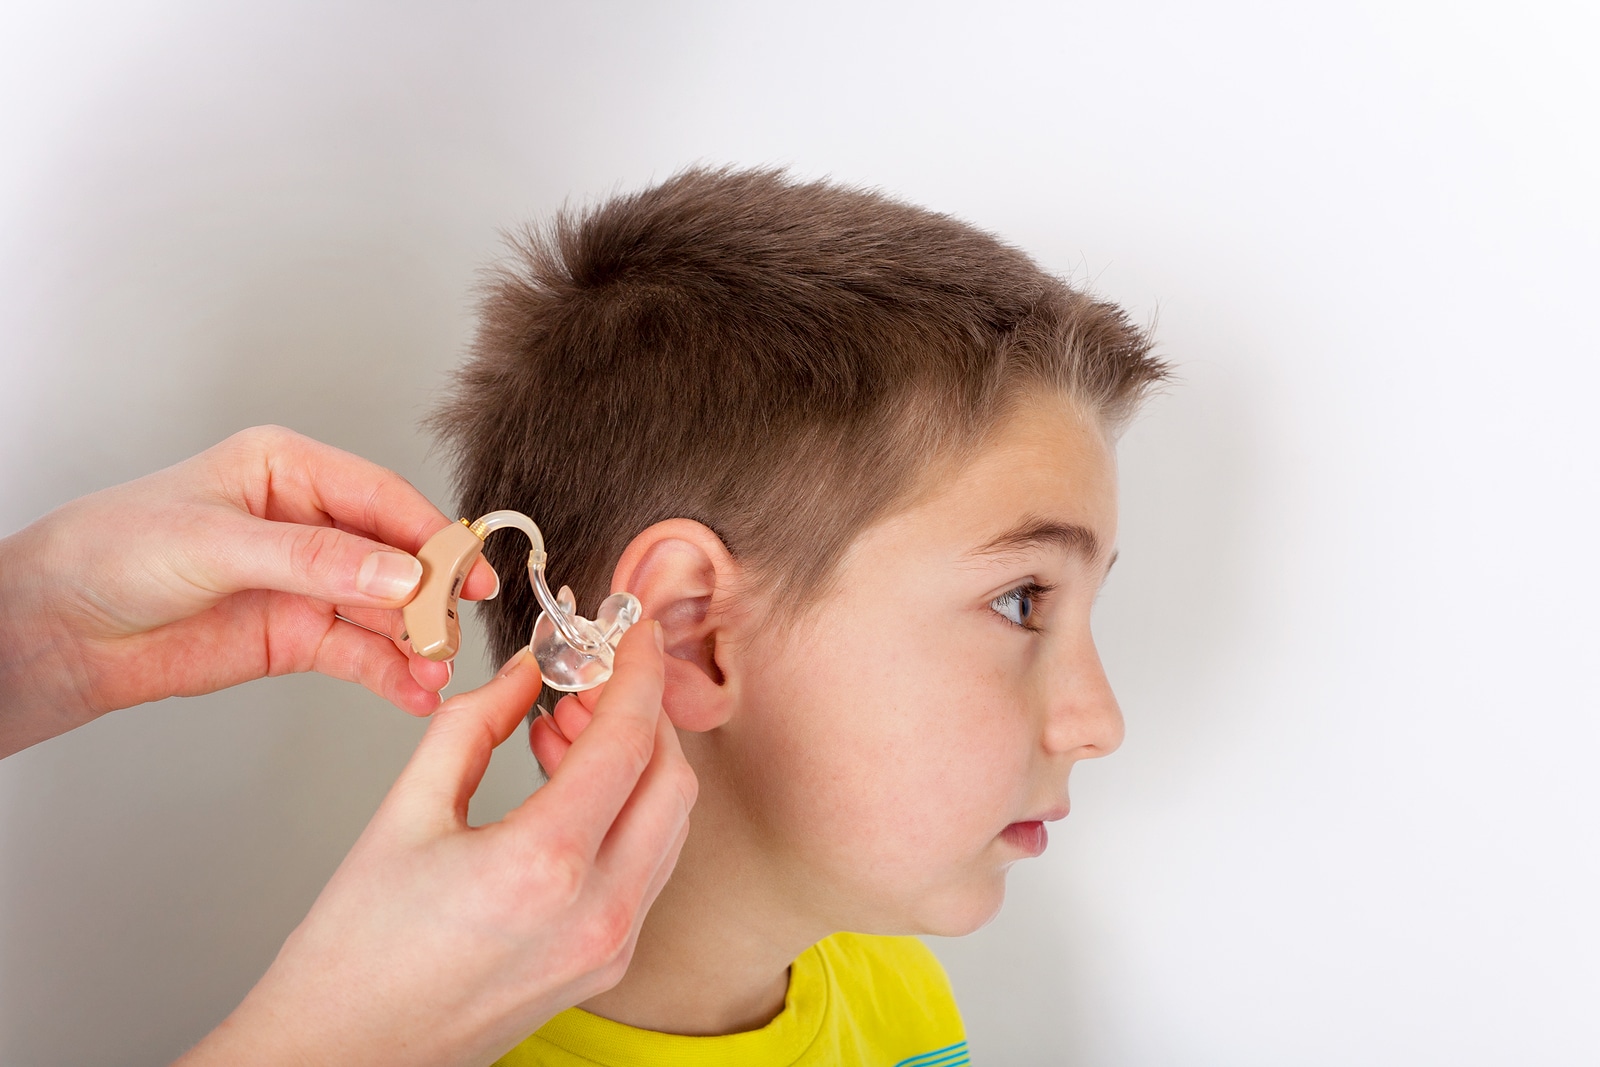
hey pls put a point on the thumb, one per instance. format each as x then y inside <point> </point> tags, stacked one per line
<point>315,561</point>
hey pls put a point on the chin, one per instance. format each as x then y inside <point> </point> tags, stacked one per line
<point>963,909</point>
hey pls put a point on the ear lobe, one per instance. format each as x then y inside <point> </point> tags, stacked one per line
<point>681,572</point>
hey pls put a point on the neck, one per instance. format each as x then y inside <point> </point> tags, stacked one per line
<point>713,954</point>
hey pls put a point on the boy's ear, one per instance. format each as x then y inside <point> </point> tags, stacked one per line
<point>681,572</point>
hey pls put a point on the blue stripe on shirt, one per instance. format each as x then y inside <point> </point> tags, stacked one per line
<point>949,1056</point>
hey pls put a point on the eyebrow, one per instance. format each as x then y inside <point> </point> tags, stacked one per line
<point>1032,533</point>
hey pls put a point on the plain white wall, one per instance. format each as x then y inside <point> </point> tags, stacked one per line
<point>1353,628</point>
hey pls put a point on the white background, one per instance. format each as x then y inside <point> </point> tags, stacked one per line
<point>1353,628</point>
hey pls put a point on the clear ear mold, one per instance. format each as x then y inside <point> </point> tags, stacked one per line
<point>574,653</point>
<point>574,665</point>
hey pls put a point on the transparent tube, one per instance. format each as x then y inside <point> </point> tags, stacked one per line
<point>537,557</point>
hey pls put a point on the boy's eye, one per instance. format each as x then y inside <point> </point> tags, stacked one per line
<point>1017,606</point>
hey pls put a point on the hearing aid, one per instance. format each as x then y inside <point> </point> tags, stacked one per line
<point>431,619</point>
<point>574,653</point>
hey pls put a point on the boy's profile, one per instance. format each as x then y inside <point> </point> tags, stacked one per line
<point>857,458</point>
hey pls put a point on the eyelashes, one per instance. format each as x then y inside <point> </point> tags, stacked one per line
<point>1020,606</point>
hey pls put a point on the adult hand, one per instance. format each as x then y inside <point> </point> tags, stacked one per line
<point>229,566</point>
<point>440,943</point>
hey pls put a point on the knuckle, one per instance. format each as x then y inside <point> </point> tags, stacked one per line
<point>388,477</point>
<point>601,975</point>
<point>686,783</point>
<point>314,550</point>
<point>457,718</point>
<point>267,437</point>
<point>610,932</point>
<point>634,747</point>
<point>558,876</point>
<point>449,719</point>
<point>384,483</point>
<point>614,970</point>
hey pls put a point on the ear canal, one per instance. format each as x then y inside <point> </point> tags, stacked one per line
<point>700,650</point>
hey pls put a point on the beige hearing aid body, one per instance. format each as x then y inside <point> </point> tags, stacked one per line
<point>431,616</point>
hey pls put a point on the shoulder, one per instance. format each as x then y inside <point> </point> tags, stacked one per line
<point>893,963</point>
<point>895,990</point>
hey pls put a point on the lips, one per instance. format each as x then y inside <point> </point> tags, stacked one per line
<point>1030,837</point>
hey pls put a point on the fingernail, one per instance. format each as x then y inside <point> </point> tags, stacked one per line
<point>496,590</point>
<point>661,639</point>
<point>550,717</point>
<point>515,663</point>
<point>388,575</point>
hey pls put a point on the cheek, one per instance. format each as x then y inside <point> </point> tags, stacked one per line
<point>962,712</point>
<point>903,771</point>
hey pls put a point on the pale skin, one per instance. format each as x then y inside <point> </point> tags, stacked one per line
<point>435,942</point>
<point>440,943</point>
<point>891,792</point>
<point>235,564</point>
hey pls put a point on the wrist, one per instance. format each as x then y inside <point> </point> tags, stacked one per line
<point>42,677</point>
<point>326,1001</point>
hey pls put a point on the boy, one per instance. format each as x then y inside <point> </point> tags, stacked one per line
<point>856,457</point>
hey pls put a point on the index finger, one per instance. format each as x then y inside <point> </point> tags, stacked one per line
<point>599,772</point>
<point>297,479</point>
<point>288,477</point>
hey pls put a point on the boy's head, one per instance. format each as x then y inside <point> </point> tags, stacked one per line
<point>856,457</point>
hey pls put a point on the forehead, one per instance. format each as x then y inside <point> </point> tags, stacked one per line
<point>1049,462</point>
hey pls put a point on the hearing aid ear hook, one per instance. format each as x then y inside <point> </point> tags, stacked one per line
<point>574,653</point>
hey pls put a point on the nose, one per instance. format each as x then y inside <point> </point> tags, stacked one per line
<point>1084,719</point>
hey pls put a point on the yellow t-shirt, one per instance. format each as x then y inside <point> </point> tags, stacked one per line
<point>853,999</point>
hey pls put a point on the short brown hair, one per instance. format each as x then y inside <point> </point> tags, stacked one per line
<point>779,360</point>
